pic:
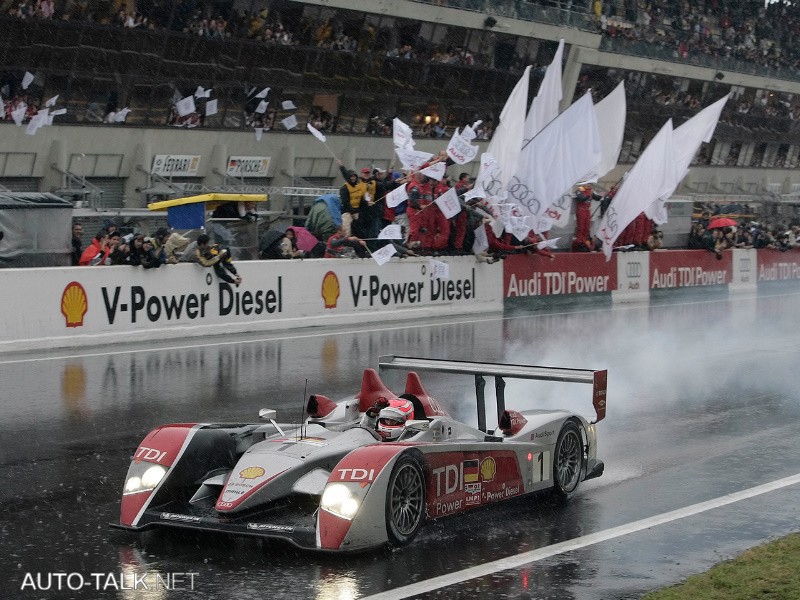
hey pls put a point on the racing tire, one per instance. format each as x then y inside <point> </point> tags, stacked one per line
<point>405,500</point>
<point>568,463</point>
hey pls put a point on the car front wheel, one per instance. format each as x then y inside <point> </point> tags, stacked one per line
<point>405,500</point>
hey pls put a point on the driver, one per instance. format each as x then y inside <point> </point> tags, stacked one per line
<point>392,419</point>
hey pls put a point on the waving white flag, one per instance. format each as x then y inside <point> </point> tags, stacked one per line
<point>391,232</point>
<point>489,183</point>
<point>545,105</point>
<point>383,255</point>
<point>401,134</point>
<point>611,113</point>
<point>460,150</point>
<point>686,141</point>
<point>555,159</point>
<point>435,171</point>
<point>650,178</point>
<point>412,159</point>
<point>185,106</point>
<point>396,196</point>
<point>508,135</point>
<point>316,133</point>
<point>448,203</point>
<point>481,242</point>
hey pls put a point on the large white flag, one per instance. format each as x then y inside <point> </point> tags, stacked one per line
<point>686,141</point>
<point>488,184</point>
<point>650,178</point>
<point>545,105</point>
<point>611,113</point>
<point>508,135</point>
<point>555,159</point>
<point>448,203</point>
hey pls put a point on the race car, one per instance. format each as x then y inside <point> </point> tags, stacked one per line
<point>365,471</point>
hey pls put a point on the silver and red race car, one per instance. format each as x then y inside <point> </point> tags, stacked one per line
<point>333,484</point>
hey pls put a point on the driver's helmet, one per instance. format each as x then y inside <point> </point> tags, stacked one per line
<point>392,419</point>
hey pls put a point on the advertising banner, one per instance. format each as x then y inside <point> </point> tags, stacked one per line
<point>533,275</point>
<point>774,265</point>
<point>689,268</point>
<point>176,165</point>
<point>248,166</point>
<point>80,305</point>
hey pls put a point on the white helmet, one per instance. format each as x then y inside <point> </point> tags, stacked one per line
<point>392,419</point>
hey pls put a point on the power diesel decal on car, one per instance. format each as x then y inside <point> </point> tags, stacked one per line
<point>158,307</point>
<point>373,291</point>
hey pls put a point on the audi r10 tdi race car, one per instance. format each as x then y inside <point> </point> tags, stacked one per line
<point>364,471</point>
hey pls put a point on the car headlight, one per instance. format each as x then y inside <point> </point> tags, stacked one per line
<point>340,500</point>
<point>143,478</point>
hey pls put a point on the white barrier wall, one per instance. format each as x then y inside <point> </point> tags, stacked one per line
<point>60,307</point>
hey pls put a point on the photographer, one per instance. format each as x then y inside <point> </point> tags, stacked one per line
<point>211,255</point>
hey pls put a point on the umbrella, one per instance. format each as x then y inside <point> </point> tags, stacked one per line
<point>304,238</point>
<point>721,222</point>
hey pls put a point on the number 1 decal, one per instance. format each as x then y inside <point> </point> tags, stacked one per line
<point>541,466</point>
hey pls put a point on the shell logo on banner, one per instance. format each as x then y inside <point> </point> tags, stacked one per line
<point>330,289</point>
<point>74,304</point>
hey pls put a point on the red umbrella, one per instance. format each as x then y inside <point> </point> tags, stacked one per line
<point>721,222</point>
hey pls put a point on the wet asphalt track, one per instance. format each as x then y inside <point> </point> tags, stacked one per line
<point>702,402</point>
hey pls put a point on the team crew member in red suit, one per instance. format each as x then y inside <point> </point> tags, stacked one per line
<point>583,218</point>
<point>458,224</point>
<point>439,224</point>
<point>642,229</point>
<point>420,196</point>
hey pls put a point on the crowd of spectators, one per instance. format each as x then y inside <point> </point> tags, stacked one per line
<point>736,28</point>
<point>742,30</point>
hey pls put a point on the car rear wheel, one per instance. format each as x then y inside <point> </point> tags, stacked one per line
<point>405,500</point>
<point>568,462</point>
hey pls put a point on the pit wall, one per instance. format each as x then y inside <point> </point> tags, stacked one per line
<point>80,306</point>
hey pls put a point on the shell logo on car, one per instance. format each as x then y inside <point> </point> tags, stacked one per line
<point>330,289</point>
<point>74,304</point>
<point>488,469</point>
<point>252,473</point>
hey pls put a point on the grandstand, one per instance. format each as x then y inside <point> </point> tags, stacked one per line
<point>348,71</point>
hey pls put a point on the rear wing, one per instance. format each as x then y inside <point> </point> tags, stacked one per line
<point>500,371</point>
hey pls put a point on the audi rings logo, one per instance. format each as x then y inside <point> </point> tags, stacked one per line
<point>633,269</point>
<point>744,265</point>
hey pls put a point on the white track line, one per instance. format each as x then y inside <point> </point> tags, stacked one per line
<point>525,558</point>
<point>139,347</point>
